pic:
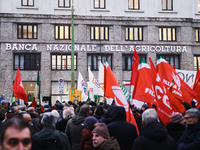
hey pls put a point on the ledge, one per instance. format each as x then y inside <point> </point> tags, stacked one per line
<point>31,8</point>
<point>62,9</point>
<point>168,12</point>
<point>134,11</point>
<point>100,10</point>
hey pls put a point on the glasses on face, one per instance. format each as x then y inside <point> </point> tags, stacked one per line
<point>14,142</point>
<point>188,117</point>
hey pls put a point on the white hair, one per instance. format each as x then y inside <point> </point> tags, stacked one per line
<point>149,116</point>
<point>55,114</point>
<point>68,113</point>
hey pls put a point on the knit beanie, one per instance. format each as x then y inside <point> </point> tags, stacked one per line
<point>176,117</point>
<point>89,122</point>
<point>102,130</point>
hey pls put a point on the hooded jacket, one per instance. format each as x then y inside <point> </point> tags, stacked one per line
<point>74,131</point>
<point>124,132</point>
<point>154,137</point>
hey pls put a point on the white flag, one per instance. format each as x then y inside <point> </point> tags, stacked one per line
<point>82,87</point>
<point>101,73</point>
<point>97,90</point>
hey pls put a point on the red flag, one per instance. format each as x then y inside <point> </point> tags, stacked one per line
<point>19,91</point>
<point>135,64</point>
<point>180,89</point>
<point>164,108</point>
<point>196,87</point>
<point>114,91</point>
<point>144,90</point>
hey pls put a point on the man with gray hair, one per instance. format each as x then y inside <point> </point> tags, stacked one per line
<point>153,134</point>
<point>49,138</point>
<point>190,140</point>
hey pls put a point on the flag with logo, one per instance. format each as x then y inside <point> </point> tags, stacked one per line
<point>114,91</point>
<point>126,94</point>
<point>164,108</point>
<point>82,87</point>
<point>170,78</point>
<point>18,88</point>
<point>94,84</point>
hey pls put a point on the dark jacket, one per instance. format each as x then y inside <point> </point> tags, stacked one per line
<point>154,137</point>
<point>190,139</point>
<point>86,140</point>
<point>61,125</point>
<point>74,130</point>
<point>124,132</point>
<point>175,130</point>
<point>110,144</point>
<point>50,139</point>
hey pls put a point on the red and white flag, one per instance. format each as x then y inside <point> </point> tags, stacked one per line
<point>18,88</point>
<point>144,90</point>
<point>179,88</point>
<point>113,90</point>
<point>164,108</point>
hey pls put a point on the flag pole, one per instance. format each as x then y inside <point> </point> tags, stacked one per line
<point>72,50</point>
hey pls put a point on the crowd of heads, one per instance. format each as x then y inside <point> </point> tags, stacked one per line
<point>28,120</point>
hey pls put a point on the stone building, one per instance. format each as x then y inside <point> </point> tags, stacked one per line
<point>37,34</point>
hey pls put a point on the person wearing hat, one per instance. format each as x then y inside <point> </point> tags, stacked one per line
<point>102,140</point>
<point>86,139</point>
<point>177,126</point>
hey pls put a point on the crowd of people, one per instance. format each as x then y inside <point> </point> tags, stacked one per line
<point>95,126</point>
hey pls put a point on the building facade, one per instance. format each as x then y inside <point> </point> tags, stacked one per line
<point>36,34</point>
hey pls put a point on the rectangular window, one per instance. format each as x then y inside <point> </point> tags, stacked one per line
<point>99,33</point>
<point>27,61</point>
<point>167,4</point>
<point>94,59</point>
<point>99,4</point>
<point>63,32</point>
<point>127,60</point>
<point>134,33</point>
<point>27,31</point>
<point>173,60</point>
<point>134,4</point>
<point>64,3</point>
<point>167,34</point>
<point>197,35</point>
<point>196,62</point>
<point>62,62</point>
<point>198,5</point>
<point>27,2</point>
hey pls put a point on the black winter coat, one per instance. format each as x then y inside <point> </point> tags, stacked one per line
<point>175,130</point>
<point>124,132</point>
<point>190,139</point>
<point>50,139</point>
<point>154,137</point>
<point>74,130</point>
